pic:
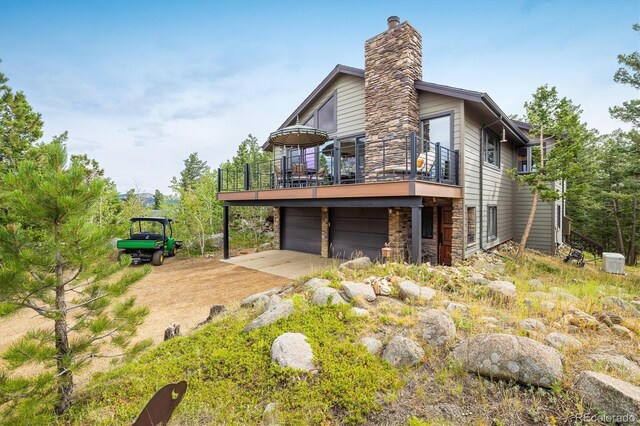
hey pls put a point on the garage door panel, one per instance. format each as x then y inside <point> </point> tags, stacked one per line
<point>301,229</point>
<point>358,230</point>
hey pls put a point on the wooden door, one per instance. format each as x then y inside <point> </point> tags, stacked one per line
<point>445,235</point>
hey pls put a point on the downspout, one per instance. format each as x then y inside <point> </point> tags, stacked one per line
<point>481,150</point>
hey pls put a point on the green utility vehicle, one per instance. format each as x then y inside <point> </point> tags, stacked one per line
<point>150,240</point>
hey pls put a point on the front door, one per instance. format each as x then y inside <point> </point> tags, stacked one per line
<point>446,235</point>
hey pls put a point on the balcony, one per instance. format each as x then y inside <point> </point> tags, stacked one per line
<point>407,158</point>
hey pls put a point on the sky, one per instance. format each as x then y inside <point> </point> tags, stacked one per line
<point>141,84</point>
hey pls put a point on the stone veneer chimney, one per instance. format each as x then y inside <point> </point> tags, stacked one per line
<point>393,62</point>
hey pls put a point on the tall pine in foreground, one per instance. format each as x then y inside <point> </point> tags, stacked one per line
<point>56,262</point>
<point>556,124</point>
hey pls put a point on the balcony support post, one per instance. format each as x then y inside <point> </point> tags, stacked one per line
<point>414,156</point>
<point>247,177</point>
<point>438,162</point>
<point>283,167</point>
<point>225,231</point>
<point>416,235</point>
<point>219,179</point>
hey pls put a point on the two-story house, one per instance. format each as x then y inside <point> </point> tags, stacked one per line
<point>416,165</point>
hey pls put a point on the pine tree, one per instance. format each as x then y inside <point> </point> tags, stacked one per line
<point>158,198</point>
<point>55,261</point>
<point>193,170</point>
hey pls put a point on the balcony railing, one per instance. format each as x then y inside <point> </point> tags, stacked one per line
<point>343,163</point>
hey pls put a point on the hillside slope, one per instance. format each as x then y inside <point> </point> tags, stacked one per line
<point>232,378</point>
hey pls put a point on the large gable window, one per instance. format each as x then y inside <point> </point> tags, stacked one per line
<point>438,130</point>
<point>327,115</point>
<point>491,148</point>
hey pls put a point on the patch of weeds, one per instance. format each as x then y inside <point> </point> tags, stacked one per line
<point>451,370</point>
<point>384,319</point>
<point>231,377</point>
<point>406,310</point>
<point>415,421</point>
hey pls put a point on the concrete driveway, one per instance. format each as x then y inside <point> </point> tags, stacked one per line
<point>284,263</point>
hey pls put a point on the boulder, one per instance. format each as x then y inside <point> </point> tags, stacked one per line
<point>613,301</point>
<point>275,312</point>
<point>402,352</point>
<point>410,290</point>
<point>507,357</point>
<point>453,306</point>
<point>536,283</point>
<point>438,327</point>
<point>613,396</point>
<point>619,363</point>
<point>292,350</point>
<point>315,283</point>
<point>374,346</point>
<point>622,331</point>
<point>359,311</point>
<point>489,320</point>
<point>563,294</point>
<point>353,290</point>
<point>532,324</point>
<point>327,295</point>
<point>478,279</point>
<point>548,306</point>
<point>503,289</point>
<point>562,341</point>
<point>359,263</point>
<point>608,318</point>
<point>217,240</point>
<point>580,319</point>
<point>541,295</point>
<point>249,301</point>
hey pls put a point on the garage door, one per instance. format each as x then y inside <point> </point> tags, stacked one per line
<point>301,229</point>
<point>358,229</point>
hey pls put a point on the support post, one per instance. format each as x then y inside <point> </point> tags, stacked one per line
<point>414,156</point>
<point>285,171</point>
<point>336,162</point>
<point>219,179</point>
<point>438,162</point>
<point>416,235</point>
<point>225,231</point>
<point>247,177</point>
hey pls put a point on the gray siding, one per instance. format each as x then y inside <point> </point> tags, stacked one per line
<point>542,232</point>
<point>497,189</point>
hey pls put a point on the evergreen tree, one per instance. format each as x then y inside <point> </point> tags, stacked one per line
<point>55,261</point>
<point>158,198</point>
<point>193,170</point>
<point>628,73</point>
<point>556,123</point>
<point>20,126</point>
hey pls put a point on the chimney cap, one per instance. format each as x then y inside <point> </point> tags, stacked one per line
<point>393,21</point>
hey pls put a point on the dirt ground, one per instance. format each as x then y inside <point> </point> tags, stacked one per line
<point>179,292</point>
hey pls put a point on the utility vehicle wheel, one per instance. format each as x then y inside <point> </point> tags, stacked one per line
<point>120,253</point>
<point>172,253</point>
<point>158,258</point>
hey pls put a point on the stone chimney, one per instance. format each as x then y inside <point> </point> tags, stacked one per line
<point>393,62</point>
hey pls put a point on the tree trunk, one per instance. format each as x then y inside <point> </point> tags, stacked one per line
<point>65,377</point>
<point>619,239</point>
<point>527,229</point>
<point>632,258</point>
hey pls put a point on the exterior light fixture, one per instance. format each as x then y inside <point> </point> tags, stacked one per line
<point>504,136</point>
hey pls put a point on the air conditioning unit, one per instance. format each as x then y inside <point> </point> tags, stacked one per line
<point>613,263</point>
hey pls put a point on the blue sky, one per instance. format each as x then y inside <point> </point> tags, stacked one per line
<point>139,85</point>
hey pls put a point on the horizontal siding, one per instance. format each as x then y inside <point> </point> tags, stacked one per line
<point>497,188</point>
<point>541,236</point>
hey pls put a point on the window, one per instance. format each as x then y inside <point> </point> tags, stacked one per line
<point>492,222</point>
<point>311,121</point>
<point>327,115</point>
<point>427,222</point>
<point>491,148</point>
<point>524,160</point>
<point>438,129</point>
<point>471,225</point>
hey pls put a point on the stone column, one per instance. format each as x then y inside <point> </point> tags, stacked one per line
<point>399,232</point>
<point>458,239</point>
<point>276,228</point>
<point>324,250</point>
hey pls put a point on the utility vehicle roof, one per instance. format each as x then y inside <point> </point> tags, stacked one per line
<point>151,219</point>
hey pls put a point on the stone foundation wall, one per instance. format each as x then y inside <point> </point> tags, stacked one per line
<point>324,249</point>
<point>400,233</point>
<point>276,228</point>
<point>458,242</point>
<point>393,62</point>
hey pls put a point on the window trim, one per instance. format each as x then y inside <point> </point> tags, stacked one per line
<point>427,234</point>
<point>475,226</point>
<point>441,114</point>
<point>489,209</point>
<point>484,149</point>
